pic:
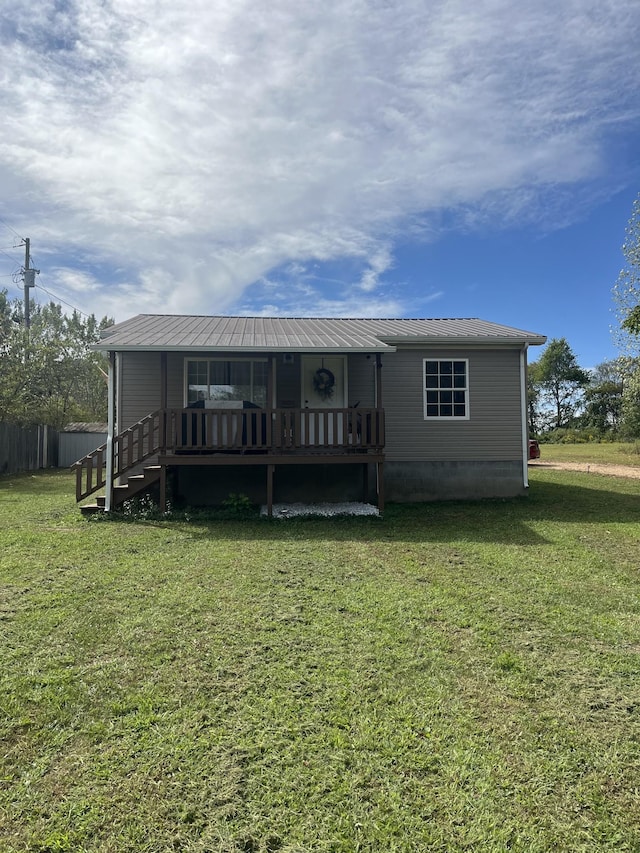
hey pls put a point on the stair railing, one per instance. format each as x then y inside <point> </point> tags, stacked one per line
<point>130,448</point>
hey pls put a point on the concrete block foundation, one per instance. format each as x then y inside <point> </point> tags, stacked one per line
<point>407,482</point>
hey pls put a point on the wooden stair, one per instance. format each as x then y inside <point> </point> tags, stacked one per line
<point>135,484</point>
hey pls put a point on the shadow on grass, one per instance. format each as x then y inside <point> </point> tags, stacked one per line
<point>510,521</point>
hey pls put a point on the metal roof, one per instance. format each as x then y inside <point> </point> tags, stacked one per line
<point>149,332</point>
<point>81,426</point>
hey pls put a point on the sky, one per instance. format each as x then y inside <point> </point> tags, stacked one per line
<point>355,158</point>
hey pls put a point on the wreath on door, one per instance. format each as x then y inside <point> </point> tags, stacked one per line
<point>324,383</point>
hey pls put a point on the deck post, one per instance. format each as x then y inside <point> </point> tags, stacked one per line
<point>365,482</point>
<point>163,489</point>
<point>270,470</point>
<point>108,499</point>
<point>380,467</point>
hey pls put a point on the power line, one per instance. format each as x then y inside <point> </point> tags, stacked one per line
<point>64,302</point>
<point>11,228</point>
<point>15,260</point>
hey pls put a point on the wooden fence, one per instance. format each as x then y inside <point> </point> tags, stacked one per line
<point>27,449</point>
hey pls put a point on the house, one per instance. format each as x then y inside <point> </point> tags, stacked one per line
<point>312,409</point>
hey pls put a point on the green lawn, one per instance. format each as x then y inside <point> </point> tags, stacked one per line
<point>453,677</point>
<point>613,453</point>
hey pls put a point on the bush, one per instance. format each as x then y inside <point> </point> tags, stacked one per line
<point>238,505</point>
<point>578,436</point>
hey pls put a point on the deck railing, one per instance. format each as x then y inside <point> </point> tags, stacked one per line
<point>274,430</point>
<point>266,431</point>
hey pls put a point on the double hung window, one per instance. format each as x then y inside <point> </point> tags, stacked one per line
<point>446,388</point>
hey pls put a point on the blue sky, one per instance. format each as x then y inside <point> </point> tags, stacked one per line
<point>350,158</point>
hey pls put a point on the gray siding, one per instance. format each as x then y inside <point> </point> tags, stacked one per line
<point>175,380</point>
<point>362,379</point>
<point>139,386</point>
<point>494,429</point>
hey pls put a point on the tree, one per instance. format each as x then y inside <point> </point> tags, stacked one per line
<point>533,399</point>
<point>559,381</point>
<point>626,291</point>
<point>48,373</point>
<point>631,406</point>
<point>603,397</point>
<point>626,295</point>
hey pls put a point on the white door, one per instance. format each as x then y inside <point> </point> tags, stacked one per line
<point>324,386</point>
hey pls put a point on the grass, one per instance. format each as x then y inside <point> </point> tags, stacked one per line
<point>613,453</point>
<point>453,677</point>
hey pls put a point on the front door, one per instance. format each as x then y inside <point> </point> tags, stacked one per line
<point>324,381</point>
<point>324,386</point>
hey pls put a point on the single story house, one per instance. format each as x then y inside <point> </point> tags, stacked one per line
<point>312,409</point>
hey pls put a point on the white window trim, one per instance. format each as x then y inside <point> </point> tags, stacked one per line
<point>447,418</point>
<point>188,359</point>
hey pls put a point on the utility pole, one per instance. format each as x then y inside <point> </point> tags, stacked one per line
<point>29,277</point>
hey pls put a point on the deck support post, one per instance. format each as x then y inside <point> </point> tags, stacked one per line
<point>163,489</point>
<point>270,470</point>
<point>365,482</point>
<point>380,467</point>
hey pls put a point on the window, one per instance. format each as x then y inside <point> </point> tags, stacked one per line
<point>214,379</point>
<point>446,389</point>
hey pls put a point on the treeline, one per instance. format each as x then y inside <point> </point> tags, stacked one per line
<point>569,403</point>
<point>48,373</point>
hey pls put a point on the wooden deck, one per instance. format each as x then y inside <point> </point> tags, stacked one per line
<point>252,436</point>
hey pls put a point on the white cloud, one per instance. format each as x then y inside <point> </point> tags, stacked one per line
<point>182,154</point>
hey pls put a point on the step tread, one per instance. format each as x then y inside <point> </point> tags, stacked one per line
<point>90,509</point>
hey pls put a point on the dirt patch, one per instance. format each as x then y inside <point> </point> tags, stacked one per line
<point>591,468</point>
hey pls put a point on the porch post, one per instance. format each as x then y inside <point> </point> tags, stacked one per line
<point>110,429</point>
<point>378,381</point>
<point>163,401</point>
